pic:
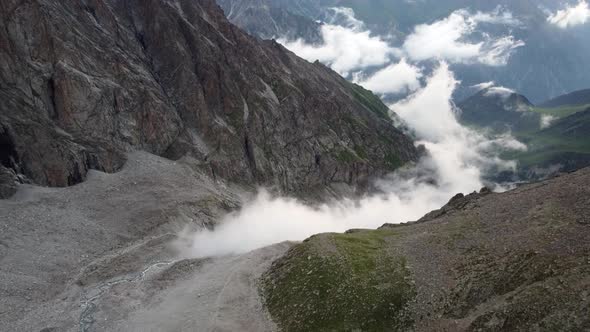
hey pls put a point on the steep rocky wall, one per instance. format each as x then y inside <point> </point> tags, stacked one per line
<point>83,82</point>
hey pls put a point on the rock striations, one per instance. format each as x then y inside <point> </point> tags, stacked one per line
<point>84,82</point>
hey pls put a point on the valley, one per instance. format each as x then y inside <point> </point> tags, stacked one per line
<point>294,165</point>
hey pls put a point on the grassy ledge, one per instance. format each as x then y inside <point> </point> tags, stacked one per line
<point>330,281</point>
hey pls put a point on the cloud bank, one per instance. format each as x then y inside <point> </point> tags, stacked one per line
<point>499,91</point>
<point>571,16</point>
<point>396,78</point>
<point>448,39</point>
<point>483,86</point>
<point>347,47</point>
<point>457,159</point>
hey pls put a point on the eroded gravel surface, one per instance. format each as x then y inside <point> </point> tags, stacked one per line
<point>106,254</point>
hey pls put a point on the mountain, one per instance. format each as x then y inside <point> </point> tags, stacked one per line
<point>576,98</point>
<point>130,124</point>
<point>93,80</point>
<point>545,67</point>
<point>575,126</point>
<point>516,261</point>
<point>500,109</point>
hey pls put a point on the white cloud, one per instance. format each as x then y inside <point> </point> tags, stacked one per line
<point>571,15</point>
<point>346,48</point>
<point>483,86</point>
<point>458,157</point>
<point>547,120</point>
<point>499,91</point>
<point>447,39</point>
<point>396,78</point>
<point>499,51</point>
<point>497,16</point>
<point>430,110</point>
<point>344,16</point>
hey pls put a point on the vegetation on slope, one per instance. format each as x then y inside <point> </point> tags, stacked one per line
<point>370,100</point>
<point>517,261</point>
<point>565,142</point>
<point>561,111</point>
<point>340,282</point>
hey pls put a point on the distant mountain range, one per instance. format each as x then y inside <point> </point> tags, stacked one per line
<point>553,61</point>
<point>581,97</point>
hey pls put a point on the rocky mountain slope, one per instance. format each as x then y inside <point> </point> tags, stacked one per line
<point>144,121</point>
<point>84,82</point>
<point>516,261</point>
<point>107,255</point>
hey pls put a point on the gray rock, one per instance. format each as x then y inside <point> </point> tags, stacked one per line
<point>83,82</point>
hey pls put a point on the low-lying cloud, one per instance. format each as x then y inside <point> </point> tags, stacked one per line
<point>483,86</point>
<point>499,91</point>
<point>449,39</point>
<point>456,163</point>
<point>346,48</point>
<point>396,78</point>
<point>547,120</point>
<point>458,158</point>
<point>571,15</point>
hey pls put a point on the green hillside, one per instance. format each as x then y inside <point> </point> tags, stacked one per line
<point>560,111</point>
<point>565,142</point>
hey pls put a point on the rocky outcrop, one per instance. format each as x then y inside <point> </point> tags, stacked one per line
<point>84,82</point>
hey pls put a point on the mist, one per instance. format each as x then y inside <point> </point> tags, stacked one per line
<point>457,157</point>
<point>571,16</point>
<point>347,47</point>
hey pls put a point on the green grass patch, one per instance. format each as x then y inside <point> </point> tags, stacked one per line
<point>543,148</point>
<point>370,101</point>
<point>361,152</point>
<point>347,156</point>
<point>560,112</point>
<point>340,282</point>
<point>393,161</point>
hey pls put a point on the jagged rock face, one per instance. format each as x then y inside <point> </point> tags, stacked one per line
<point>83,82</point>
